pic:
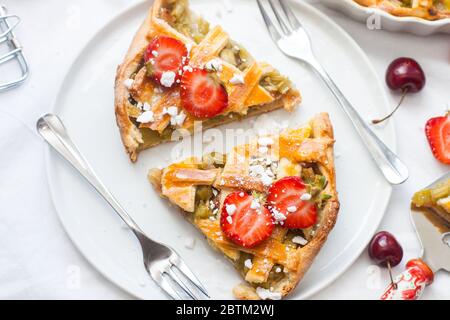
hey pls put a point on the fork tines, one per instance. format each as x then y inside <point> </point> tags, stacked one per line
<point>174,276</point>
<point>284,15</point>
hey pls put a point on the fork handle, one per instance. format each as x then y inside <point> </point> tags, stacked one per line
<point>390,165</point>
<point>51,128</point>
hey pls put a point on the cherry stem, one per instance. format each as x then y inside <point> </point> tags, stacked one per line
<point>394,285</point>
<point>404,93</point>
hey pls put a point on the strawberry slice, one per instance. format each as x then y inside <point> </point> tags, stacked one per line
<point>285,198</point>
<point>165,58</point>
<point>202,94</point>
<point>438,135</point>
<point>243,223</point>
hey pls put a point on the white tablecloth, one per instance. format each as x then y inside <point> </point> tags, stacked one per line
<point>37,259</point>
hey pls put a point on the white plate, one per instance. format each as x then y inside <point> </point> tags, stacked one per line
<point>388,21</point>
<point>85,103</point>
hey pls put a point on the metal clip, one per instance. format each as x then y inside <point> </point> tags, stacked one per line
<point>7,36</point>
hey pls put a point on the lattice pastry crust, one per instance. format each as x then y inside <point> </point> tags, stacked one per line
<point>133,88</point>
<point>278,264</point>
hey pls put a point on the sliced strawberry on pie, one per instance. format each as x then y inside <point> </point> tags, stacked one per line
<point>244,221</point>
<point>165,58</point>
<point>202,94</point>
<point>288,197</point>
<point>438,135</point>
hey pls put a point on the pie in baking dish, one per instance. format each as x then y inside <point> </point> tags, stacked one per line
<point>425,9</point>
<point>268,205</point>
<point>179,70</point>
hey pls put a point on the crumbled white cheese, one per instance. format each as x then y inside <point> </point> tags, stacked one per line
<point>256,169</point>
<point>299,240</point>
<point>265,141</point>
<point>248,263</point>
<point>128,83</point>
<point>278,270</point>
<point>266,294</point>
<point>167,79</point>
<point>188,47</point>
<point>178,119</point>
<point>230,208</point>
<point>146,106</point>
<point>277,215</point>
<point>189,243</point>
<point>263,150</point>
<point>230,219</point>
<point>266,180</point>
<point>237,79</point>
<point>255,204</point>
<point>291,209</point>
<point>188,68</point>
<point>305,197</point>
<point>145,117</point>
<point>214,65</point>
<point>171,111</point>
<point>241,194</point>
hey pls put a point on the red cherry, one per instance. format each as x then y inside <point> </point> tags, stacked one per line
<point>403,74</point>
<point>384,249</point>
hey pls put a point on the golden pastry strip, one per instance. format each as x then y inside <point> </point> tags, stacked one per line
<point>261,266</point>
<point>195,176</point>
<point>209,48</point>
<point>244,182</point>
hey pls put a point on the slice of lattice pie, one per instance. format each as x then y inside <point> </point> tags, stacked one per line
<point>179,70</point>
<point>268,205</point>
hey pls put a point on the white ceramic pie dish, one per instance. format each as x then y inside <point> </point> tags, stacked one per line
<point>388,21</point>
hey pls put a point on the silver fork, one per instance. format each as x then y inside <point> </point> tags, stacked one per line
<point>293,41</point>
<point>163,264</point>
